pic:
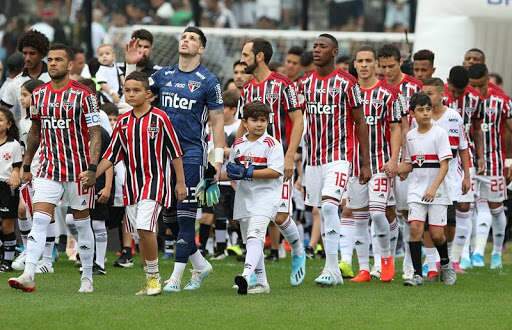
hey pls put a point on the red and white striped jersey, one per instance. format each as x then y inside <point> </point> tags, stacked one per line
<point>146,145</point>
<point>496,109</point>
<point>280,94</point>
<point>408,87</point>
<point>467,105</point>
<point>65,116</point>
<point>381,107</point>
<point>328,103</point>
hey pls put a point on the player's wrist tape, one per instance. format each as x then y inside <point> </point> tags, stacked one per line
<point>92,167</point>
<point>219,155</point>
<point>26,168</point>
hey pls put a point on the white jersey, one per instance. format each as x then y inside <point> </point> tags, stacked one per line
<point>425,151</point>
<point>109,75</point>
<point>229,134</point>
<point>453,125</point>
<point>24,127</point>
<point>259,196</point>
<point>10,154</point>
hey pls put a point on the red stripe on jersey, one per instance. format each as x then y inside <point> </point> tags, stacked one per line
<point>454,141</point>
<point>429,157</point>
<point>252,159</point>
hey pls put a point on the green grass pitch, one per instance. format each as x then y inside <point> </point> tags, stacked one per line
<point>480,299</point>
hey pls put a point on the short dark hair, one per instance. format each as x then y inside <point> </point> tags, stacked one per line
<point>424,55</point>
<point>419,99</point>
<point>389,50</point>
<point>226,84</point>
<point>230,98</point>
<point>143,34</point>
<point>343,59</point>
<point>32,84</point>
<point>78,50</point>
<point>296,50</point>
<point>458,77</point>
<point>110,109</point>
<point>366,48</point>
<point>260,45</point>
<point>477,71</point>
<point>274,66</point>
<point>255,110</point>
<point>238,62</point>
<point>477,50</point>
<point>69,51</point>
<point>330,37</point>
<point>139,76</point>
<point>15,63</point>
<point>197,31</point>
<point>89,83</point>
<point>36,40</point>
<point>497,76</point>
<point>307,58</point>
<point>437,82</point>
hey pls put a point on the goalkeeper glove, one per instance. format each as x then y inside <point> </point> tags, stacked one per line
<point>238,171</point>
<point>207,191</point>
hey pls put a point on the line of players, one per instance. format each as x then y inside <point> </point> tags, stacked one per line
<point>347,127</point>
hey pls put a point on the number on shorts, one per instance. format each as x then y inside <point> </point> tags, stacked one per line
<point>497,185</point>
<point>381,185</point>
<point>285,192</point>
<point>341,179</point>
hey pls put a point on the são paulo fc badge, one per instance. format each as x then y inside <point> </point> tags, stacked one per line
<point>420,159</point>
<point>193,85</point>
<point>153,131</point>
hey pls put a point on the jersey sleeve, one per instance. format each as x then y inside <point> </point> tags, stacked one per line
<point>289,99</point>
<point>443,149</point>
<point>240,105</point>
<point>463,139</point>
<point>508,108</point>
<point>407,151</point>
<point>91,110</point>
<point>275,158</point>
<point>116,149</point>
<point>479,109</point>
<point>154,82</point>
<point>214,96</point>
<point>355,100</point>
<point>10,94</point>
<point>172,143</point>
<point>394,108</point>
<point>35,113</point>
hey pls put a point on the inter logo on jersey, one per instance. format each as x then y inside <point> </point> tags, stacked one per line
<point>193,85</point>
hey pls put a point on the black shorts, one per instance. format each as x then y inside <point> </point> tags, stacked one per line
<point>99,212</point>
<point>224,209</point>
<point>9,200</point>
<point>115,216</point>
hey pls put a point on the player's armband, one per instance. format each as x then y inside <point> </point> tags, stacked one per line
<point>92,119</point>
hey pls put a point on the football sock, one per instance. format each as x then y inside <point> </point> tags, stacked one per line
<point>177,273</point>
<point>204,234</point>
<point>85,243</point>
<point>415,248</point>
<point>9,246</point>
<point>151,267</point>
<point>185,243</point>
<point>50,243</point>
<point>347,229</point>
<point>443,253</point>
<point>331,220</point>
<point>430,258</point>
<point>253,255</point>
<point>101,239</point>
<point>221,234</point>
<point>407,263</point>
<point>24,226</point>
<point>198,261</point>
<point>382,232</point>
<point>483,225</point>
<point>70,222</point>
<point>261,273</point>
<point>499,223</point>
<point>462,233</point>
<point>375,248</point>
<point>393,236</point>
<point>290,232</point>
<point>35,242</point>
<point>362,243</point>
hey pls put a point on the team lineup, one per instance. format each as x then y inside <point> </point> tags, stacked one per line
<point>374,156</point>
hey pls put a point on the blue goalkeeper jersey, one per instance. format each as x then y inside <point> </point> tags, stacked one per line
<point>187,97</point>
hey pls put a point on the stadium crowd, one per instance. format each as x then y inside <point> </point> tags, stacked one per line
<point>317,156</point>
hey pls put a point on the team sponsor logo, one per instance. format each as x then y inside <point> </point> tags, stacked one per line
<point>92,119</point>
<point>200,75</point>
<point>179,85</point>
<point>218,94</point>
<point>54,123</point>
<point>491,110</point>
<point>168,72</point>
<point>174,101</point>
<point>420,159</point>
<point>193,85</point>
<point>153,131</point>
<point>371,120</point>
<point>321,109</point>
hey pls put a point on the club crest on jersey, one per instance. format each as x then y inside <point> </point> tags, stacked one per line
<point>469,110</point>
<point>334,91</point>
<point>271,97</point>
<point>7,156</point>
<point>377,104</point>
<point>193,85</point>
<point>153,131</point>
<point>420,159</point>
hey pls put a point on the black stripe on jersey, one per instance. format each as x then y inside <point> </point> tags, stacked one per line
<point>318,120</point>
<point>153,122</point>
<point>78,120</point>
<point>426,165</point>
<point>66,138</point>
<point>373,131</point>
<point>330,119</point>
<point>53,138</point>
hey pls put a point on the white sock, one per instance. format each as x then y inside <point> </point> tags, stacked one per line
<point>24,225</point>
<point>483,225</point>
<point>101,239</point>
<point>348,229</point>
<point>151,268</point>
<point>362,243</point>
<point>254,253</point>
<point>430,258</point>
<point>35,242</point>
<point>50,243</point>
<point>177,273</point>
<point>300,228</point>
<point>85,243</point>
<point>221,235</point>
<point>393,236</point>
<point>407,263</point>
<point>70,222</point>
<point>331,221</point>
<point>382,232</point>
<point>462,234</point>
<point>449,245</point>
<point>198,261</point>
<point>375,247</point>
<point>499,222</point>
<point>261,273</point>
<point>291,234</point>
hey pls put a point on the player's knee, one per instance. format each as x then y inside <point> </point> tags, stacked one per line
<point>416,230</point>
<point>463,207</point>
<point>346,212</point>
<point>379,219</point>
<point>330,217</point>
<point>437,237</point>
<point>390,214</point>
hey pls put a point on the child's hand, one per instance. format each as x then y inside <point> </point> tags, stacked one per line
<point>104,195</point>
<point>14,180</point>
<point>429,195</point>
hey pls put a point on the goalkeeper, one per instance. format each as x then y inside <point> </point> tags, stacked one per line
<point>191,96</point>
<point>257,161</point>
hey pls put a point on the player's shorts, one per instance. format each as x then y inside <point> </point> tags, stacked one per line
<point>193,174</point>
<point>285,203</point>
<point>115,216</point>
<point>99,212</point>
<point>437,215</point>
<point>492,188</point>
<point>469,197</point>
<point>224,209</point>
<point>329,179</point>
<point>144,215</point>
<point>26,195</point>
<point>73,194</point>
<point>9,201</point>
<point>255,226</point>
<point>378,192</point>
<point>401,188</point>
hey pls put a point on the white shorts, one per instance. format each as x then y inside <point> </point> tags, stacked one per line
<point>377,193</point>
<point>26,196</point>
<point>492,188</point>
<point>326,180</point>
<point>255,226</point>
<point>469,197</point>
<point>437,214</point>
<point>285,203</point>
<point>73,194</point>
<point>143,215</point>
<point>401,188</point>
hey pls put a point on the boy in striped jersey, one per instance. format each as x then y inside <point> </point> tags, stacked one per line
<point>145,140</point>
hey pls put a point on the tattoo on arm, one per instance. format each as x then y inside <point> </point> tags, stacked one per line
<point>33,140</point>
<point>95,144</point>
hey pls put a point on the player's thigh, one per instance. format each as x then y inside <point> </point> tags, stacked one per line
<point>400,188</point>
<point>357,194</point>
<point>492,188</point>
<point>46,191</point>
<point>416,218</point>
<point>257,227</point>
<point>334,178</point>
<point>78,197</point>
<point>144,214</point>
<point>437,215</point>
<point>313,176</point>
<point>469,197</point>
<point>193,174</point>
<point>100,212</point>
<point>244,225</point>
